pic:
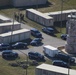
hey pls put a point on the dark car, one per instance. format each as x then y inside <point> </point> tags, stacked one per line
<point>48,30</point>
<point>36,33</point>
<point>65,57</point>
<point>36,41</point>
<point>60,63</point>
<point>19,45</point>
<point>35,55</point>
<point>64,36</point>
<point>4,46</point>
<point>9,54</point>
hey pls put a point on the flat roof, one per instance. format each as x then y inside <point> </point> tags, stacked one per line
<point>56,69</point>
<point>59,12</point>
<point>39,13</point>
<point>50,47</point>
<point>9,23</point>
<point>14,32</point>
<point>4,18</point>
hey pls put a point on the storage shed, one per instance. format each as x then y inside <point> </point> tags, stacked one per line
<point>57,15</point>
<point>50,50</point>
<point>15,36</point>
<point>5,27</point>
<point>39,17</point>
<point>46,69</point>
<point>18,3</point>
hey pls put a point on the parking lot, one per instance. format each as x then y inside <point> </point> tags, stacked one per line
<point>48,40</point>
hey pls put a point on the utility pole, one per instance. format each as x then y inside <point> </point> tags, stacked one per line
<point>68,67</point>
<point>61,15</point>
<point>26,60</point>
<point>12,28</point>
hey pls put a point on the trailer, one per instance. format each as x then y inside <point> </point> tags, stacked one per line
<point>39,17</point>
<point>47,69</point>
<point>50,50</point>
<point>15,36</point>
<point>58,15</point>
<point>9,26</point>
<point>4,19</point>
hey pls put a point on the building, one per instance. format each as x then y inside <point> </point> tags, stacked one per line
<point>9,26</point>
<point>39,17</point>
<point>71,30</point>
<point>14,36</point>
<point>57,14</point>
<point>48,19</point>
<point>46,69</point>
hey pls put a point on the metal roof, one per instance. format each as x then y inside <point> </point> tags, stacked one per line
<point>50,47</point>
<point>9,23</point>
<point>14,32</point>
<point>4,18</point>
<point>39,13</point>
<point>59,12</point>
<point>56,69</point>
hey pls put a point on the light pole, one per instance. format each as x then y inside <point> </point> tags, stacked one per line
<point>61,15</point>
<point>26,60</point>
<point>69,65</point>
<point>12,28</point>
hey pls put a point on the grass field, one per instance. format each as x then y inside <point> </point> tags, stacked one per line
<point>6,69</point>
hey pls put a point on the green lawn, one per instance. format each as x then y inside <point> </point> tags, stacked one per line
<point>6,69</point>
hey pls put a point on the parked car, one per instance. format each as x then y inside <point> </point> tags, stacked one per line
<point>36,41</point>
<point>9,54</point>
<point>65,57</point>
<point>35,55</point>
<point>19,45</point>
<point>60,63</point>
<point>36,33</point>
<point>4,46</point>
<point>64,36</point>
<point>48,30</point>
